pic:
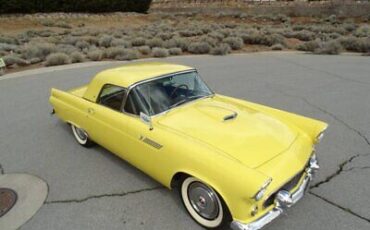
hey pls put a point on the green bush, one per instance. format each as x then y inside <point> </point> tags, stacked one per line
<point>32,6</point>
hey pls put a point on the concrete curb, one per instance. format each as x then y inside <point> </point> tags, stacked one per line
<point>32,192</point>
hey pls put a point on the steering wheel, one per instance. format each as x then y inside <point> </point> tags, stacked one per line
<point>177,87</point>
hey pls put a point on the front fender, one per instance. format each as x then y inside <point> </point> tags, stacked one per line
<point>235,183</point>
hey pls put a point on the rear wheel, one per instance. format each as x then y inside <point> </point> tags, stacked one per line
<point>204,204</point>
<point>81,137</point>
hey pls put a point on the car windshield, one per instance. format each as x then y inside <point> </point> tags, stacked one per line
<point>160,95</point>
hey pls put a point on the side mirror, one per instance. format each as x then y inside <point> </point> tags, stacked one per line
<point>146,119</point>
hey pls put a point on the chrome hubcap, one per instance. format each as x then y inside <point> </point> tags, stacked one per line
<point>203,200</point>
<point>81,134</point>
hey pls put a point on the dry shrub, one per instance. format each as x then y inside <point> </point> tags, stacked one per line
<point>199,48</point>
<point>145,50</point>
<point>105,41</point>
<point>263,39</point>
<point>115,52</point>
<point>8,39</point>
<point>277,47</point>
<point>138,41</point>
<point>57,59</point>
<point>38,50</point>
<point>362,31</point>
<point>70,40</point>
<point>176,42</point>
<point>7,47</point>
<point>13,59</point>
<point>175,51</point>
<point>77,57</point>
<point>165,36</point>
<point>221,49</point>
<point>309,46</point>
<point>355,44</point>
<point>121,42</point>
<point>95,55</point>
<point>82,44</point>
<point>155,42</point>
<point>160,52</point>
<point>65,48</point>
<point>235,43</point>
<point>330,47</point>
<point>303,35</point>
<point>131,54</point>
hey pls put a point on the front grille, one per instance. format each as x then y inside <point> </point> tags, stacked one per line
<point>288,187</point>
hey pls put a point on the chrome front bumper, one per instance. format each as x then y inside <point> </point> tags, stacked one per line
<point>283,200</point>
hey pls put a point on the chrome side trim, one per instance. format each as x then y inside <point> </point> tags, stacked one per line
<point>151,142</point>
<point>283,200</point>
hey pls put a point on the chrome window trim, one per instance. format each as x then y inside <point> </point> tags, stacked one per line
<point>100,92</point>
<point>157,78</point>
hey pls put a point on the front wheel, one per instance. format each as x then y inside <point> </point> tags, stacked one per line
<point>81,137</point>
<point>204,204</point>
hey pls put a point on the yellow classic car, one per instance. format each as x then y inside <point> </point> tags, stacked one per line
<point>233,161</point>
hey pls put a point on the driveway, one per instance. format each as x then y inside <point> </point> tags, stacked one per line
<point>93,189</point>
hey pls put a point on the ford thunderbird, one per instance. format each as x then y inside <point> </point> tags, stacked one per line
<point>233,162</point>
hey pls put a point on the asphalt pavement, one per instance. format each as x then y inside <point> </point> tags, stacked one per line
<point>93,189</point>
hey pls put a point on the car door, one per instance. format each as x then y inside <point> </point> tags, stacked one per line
<point>107,124</point>
<point>144,145</point>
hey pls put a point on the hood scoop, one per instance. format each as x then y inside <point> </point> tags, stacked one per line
<point>231,116</point>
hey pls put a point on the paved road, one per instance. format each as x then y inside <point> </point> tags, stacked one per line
<point>92,189</point>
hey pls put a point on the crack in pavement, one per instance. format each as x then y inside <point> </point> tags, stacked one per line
<point>347,210</point>
<point>354,168</point>
<point>337,173</point>
<point>2,171</point>
<point>343,164</point>
<point>103,196</point>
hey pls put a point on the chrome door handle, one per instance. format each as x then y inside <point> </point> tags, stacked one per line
<point>90,110</point>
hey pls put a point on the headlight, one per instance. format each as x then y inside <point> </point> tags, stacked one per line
<point>262,190</point>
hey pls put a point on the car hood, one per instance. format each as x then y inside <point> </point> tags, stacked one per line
<point>251,137</point>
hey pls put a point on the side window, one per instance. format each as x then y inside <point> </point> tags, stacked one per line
<point>112,96</point>
<point>136,102</point>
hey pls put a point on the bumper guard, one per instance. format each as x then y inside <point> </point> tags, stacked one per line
<point>283,200</point>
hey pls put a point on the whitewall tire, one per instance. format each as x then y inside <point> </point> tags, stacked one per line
<point>81,136</point>
<point>203,203</point>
